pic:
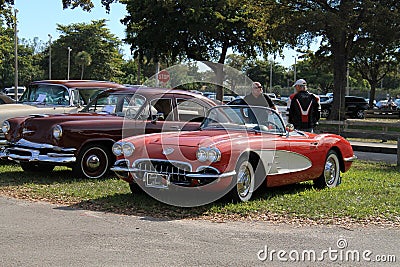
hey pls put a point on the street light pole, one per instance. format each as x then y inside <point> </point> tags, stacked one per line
<point>69,61</point>
<point>295,70</point>
<point>16,55</point>
<point>49,56</point>
<point>270,75</point>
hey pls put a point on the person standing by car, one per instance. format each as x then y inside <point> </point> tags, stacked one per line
<point>304,108</point>
<point>257,98</point>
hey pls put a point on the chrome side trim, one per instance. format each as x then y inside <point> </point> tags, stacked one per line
<point>350,159</point>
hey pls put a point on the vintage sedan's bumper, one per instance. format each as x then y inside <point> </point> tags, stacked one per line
<point>24,150</point>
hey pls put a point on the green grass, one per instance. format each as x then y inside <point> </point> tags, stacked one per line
<point>370,192</point>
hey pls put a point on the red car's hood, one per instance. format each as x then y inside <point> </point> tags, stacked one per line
<point>198,138</point>
<point>40,126</point>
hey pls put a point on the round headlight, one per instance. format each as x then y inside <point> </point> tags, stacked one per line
<point>201,154</point>
<point>57,132</point>
<point>117,149</point>
<point>5,127</point>
<point>214,154</point>
<point>128,149</point>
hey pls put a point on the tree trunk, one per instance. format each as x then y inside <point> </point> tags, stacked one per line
<point>83,67</point>
<point>372,94</point>
<point>339,80</point>
<point>220,72</point>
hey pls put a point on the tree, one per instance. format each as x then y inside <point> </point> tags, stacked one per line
<point>85,4</point>
<point>342,24</point>
<point>83,59</point>
<point>93,38</point>
<point>29,56</point>
<point>202,30</point>
<point>378,51</point>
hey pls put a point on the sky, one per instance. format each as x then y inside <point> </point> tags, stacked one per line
<point>40,17</point>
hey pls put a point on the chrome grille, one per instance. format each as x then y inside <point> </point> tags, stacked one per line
<point>175,169</point>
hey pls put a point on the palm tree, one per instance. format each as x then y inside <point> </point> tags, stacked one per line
<point>83,59</point>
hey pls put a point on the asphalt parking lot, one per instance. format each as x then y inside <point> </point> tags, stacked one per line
<point>40,234</point>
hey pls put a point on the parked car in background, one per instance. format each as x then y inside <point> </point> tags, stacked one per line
<point>4,99</point>
<point>10,92</point>
<point>387,104</point>
<point>324,98</point>
<point>83,140</point>
<point>355,107</point>
<point>52,97</point>
<point>280,104</point>
<point>237,149</point>
<point>225,99</point>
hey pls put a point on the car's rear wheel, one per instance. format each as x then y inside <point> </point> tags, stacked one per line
<point>325,113</point>
<point>331,174</point>
<point>36,167</point>
<point>244,181</point>
<point>93,161</point>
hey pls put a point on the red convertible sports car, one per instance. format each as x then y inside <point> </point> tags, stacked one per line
<point>236,150</point>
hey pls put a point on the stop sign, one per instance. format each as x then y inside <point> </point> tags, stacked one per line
<point>163,76</point>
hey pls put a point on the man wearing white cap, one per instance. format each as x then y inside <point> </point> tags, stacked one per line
<point>304,108</point>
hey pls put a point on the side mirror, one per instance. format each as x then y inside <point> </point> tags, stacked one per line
<point>289,128</point>
<point>158,116</point>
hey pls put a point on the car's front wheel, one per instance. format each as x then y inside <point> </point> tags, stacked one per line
<point>36,167</point>
<point>331,174</point>
<point>93,161</point>
<point>244,179</point>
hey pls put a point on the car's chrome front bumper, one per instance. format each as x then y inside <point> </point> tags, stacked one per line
<point>350,159</point>
<point>123,170</point>
<point>25,150</point>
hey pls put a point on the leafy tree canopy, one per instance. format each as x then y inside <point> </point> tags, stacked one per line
<point>97,41</point>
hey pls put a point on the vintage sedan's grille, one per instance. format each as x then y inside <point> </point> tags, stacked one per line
<point>176,170</point>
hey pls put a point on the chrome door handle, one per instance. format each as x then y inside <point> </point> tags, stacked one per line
<point>175,127</point>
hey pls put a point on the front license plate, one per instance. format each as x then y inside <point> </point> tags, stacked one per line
<point>156,180</point>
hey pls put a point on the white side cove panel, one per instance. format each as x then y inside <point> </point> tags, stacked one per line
<point>282,161</point>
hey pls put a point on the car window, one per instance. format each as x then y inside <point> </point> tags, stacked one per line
<point>160,107</point>
<point>46,94</point>
<point>246,118</point>
<point>189,110</point>
<point>123,105</point>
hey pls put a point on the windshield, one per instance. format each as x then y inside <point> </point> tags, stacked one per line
<point>46,94</point>
<point>244,117</point>
<point>123,105</point>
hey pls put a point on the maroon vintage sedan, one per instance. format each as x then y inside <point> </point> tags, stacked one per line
<point>83,140</point>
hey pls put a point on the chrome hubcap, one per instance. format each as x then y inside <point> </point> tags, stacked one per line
<point>330,171</point>
<point>244,181</point>
<point>93,162</point>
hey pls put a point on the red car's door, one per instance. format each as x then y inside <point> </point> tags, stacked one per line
<point>307,145</point>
